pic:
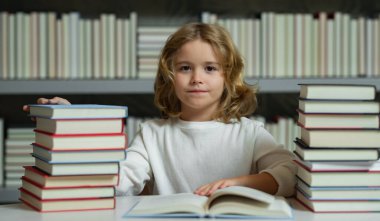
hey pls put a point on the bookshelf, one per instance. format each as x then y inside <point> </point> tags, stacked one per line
<point>145,86</point>
<point>14,93</point>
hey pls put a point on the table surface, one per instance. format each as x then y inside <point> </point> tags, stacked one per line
<point>19,211</point>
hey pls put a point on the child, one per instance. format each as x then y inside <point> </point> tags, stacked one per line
<point>203,141</point>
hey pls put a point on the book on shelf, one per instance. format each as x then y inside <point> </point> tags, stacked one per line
<point>338,106</point>
<point>341,138</point>
<point>338,205</point>
<point>364,166</point>
<point>80,126</point>
<point>339,192</point>
<point>307,153</point>
<point>338,121</point>
<point>55,205</point>
<point>43,193</point>
<point>45,180</point>
<point>58,169</point>
<point>75,156</point>
<point>81,141</point>
<point>337,91</point>
<point>230,202</point>
<point>337,178</point>
<point>78,111</point>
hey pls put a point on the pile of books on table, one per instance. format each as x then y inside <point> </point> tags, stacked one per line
<point>77,150</point>
<point>338,149</point>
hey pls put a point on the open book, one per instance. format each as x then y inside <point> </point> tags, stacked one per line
<point>230,202</point>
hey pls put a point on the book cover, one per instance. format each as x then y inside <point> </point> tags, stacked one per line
<point>338,91</point>
<point>75,111</point>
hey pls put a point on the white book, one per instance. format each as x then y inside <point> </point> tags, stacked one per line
<point>314,49</point>
<point>290,45</point>
<point>376,47</point>
<point>362,46</point>
<point>257,49</point>
<point>74,44</point>
<point>338,44</point>
<point>43,45</point>
<point>81,49</point>
<point>34,45</point>
<point>354,48</point>
<point>4,54</point>
<point>330,44</point>
<point>52,46</point>
<point>20,49</point>
<point>60,54</point>
<point>119,74</point>
<point>369,47</point>
<point>299,38</point>
<point>96,44</point>
<point>264,28</point>
<point>27,46</point>
<point>111,24</point>
<point>308,21</point>
<point>133,43</point>
<point>271,46</point>
<point>322,44</point>
<point>65,47</point>
<point>279,46</point>
<point>345,48</point>
<point>12,47</point>
<point>88,51</point>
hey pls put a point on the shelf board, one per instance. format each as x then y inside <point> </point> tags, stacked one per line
<point>9,195</point>
<point>145,86</point>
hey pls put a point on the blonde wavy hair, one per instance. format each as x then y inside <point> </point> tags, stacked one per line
<point>238,98</point>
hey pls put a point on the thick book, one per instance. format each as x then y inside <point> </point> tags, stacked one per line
<point>58,169</point>
<point>45,180</point>
<point>337,91</point>
<point>43,193</point>
<point>78,111</point>
<point>78,156</point>
<point>307,153</point>
<point>80,126</point>
<point>55,205</point>
<point>339,192</point>
<point>339,106</point>
<point>341,138</point>
<point>80,141</point>
<point>337,178</point>
<point>230,202</point>
<point>364,166</point>
<point>334,206</point>
<point>338,121</point>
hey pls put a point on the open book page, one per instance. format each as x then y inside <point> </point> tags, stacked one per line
<point>183,203</point>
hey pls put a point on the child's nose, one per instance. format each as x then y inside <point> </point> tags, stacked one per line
<point>196,77</point>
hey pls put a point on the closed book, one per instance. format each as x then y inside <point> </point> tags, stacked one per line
<point>336,121</point>
<point>80,126</point>
<point>55,205</point>
<point>78,156</point>
<point>81,141</point>
<point>78,111</point>
<point>333,206</point>
<point>339,192</point>
<point>338,106</point>
<point>45,180</point>
<point>59,169</point>
<point>337,91</point>
<point>305,152</point>
<point>338,178</point>
<point>341,138</point>
<point>43,193</point>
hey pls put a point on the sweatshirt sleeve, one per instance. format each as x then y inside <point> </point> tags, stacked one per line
<point>274,159</point>
<point>135,171</point>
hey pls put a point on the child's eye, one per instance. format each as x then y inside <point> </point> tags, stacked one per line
<point>185,68</point>
<point>210,68</point>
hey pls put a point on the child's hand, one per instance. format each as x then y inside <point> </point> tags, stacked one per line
<point>208,189</point>
<point>55,100</point>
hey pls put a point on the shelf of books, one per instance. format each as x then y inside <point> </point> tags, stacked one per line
<point>144,86</point>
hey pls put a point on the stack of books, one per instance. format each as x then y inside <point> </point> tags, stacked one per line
<point>77,150</point>
<point>338,149</point>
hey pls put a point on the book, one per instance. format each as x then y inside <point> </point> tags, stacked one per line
<point>338,106</point>
<point>58,169</point>
<point>80,141</point>
<point>78,111</point>
<point>337,91</point>
<point>229,202</point>
<point>364,166</point>
<point>337,178</point>
<point>307,153</point>
<point>341,138</point>
<point>338,205</point>
<point>80,126</point>
<point>66,192</point>
<point>336,121</point>
<point>78,156</point>
<point>45,180</point>
<point>55,205</point>
<point>339,192</point>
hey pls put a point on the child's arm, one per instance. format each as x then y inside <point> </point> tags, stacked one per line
<point>54,100</point>
<point>262,181</point>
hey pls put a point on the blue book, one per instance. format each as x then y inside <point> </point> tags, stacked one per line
<point>78,111</point>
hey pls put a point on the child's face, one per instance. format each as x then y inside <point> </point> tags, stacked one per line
<point>198,79</point>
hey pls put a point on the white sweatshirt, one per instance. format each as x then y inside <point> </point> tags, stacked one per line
<point>175,156</point>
